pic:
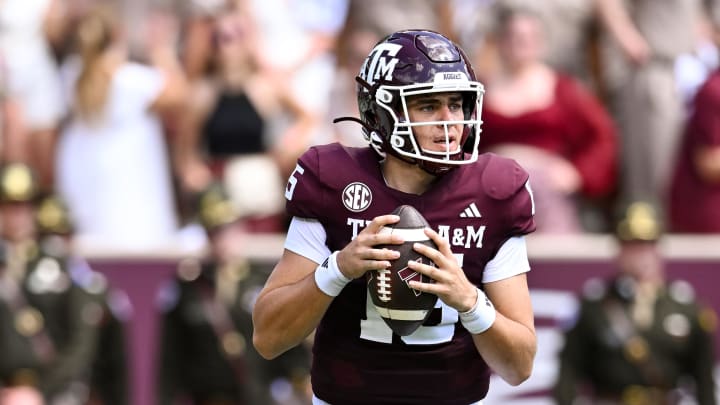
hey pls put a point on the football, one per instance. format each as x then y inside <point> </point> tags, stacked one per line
<point>402,308</point>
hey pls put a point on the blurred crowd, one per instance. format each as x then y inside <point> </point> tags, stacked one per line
<point>132,114</point>
<point>128,111</point>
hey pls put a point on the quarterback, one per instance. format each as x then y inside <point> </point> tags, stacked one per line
<point>419,105</point>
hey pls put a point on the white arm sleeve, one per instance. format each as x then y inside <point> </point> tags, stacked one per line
<point>307,237</point>
<point>510,261</point>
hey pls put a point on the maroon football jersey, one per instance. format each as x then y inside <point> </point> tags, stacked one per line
<point>357,359</point>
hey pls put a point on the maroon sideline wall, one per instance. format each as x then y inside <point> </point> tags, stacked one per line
<point>141,278</point>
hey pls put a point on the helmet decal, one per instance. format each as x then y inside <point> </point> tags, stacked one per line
<point>382,63</point>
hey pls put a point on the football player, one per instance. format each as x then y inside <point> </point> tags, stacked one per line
<point>419,105</point>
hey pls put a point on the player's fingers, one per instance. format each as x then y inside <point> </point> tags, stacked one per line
<point>432,288</point>
<point>442,243</point>
<point>426,269</point>
<point>369,265</point>
<point>382,254</point>
<point>432,254</point>
<point>383,237</point>
<point>378,222</point>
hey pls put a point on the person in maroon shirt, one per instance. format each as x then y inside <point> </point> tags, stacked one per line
<point>419,107</point>
<point>695,189</point>
<point>550,123</point>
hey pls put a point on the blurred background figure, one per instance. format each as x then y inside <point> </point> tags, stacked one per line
<point>298,40</point>
<point>694,195</point>
<point>642,41</point>
<point>224,134</point>
<point>569,41</point>
<point>29,30</point>
<point>48,321</point>
<point>354,44</point>
<point>112,165</point>
<point>551,124</point>
<point>388,16</point>
<point>13,135</point>
<point>206,351</point>
<point>197,21</point>
<point>108,381</point>
<point>638,338</point>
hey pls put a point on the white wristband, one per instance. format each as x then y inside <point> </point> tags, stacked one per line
<point>328,277</point>
<point>480,317</point>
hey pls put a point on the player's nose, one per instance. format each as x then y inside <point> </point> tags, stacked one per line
<point>446,113</point>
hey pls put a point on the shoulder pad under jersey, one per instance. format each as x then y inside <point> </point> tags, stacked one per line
<point>503,177</point>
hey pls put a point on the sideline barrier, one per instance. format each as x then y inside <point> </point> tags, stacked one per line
<point>560,266</point>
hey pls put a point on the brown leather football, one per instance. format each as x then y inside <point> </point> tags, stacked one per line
<point>402,308</point>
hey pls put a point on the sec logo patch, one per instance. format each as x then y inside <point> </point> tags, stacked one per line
<point>357,197</point>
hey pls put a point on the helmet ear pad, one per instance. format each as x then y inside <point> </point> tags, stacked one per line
<point>371,118</point>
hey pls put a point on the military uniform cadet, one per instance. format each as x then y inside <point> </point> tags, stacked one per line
<point>206,350</point>
<point>48,323</point>
<point>108,384</point>
<point>637,339</point>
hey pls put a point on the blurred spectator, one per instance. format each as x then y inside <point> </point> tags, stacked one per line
<point>21,395</point>
<point>27,31</point>
<point>550,123</point>
<point>112,164</point>
<point>108,381</point>
<point>198,28</point>
<point>637,338</point>
<point>48,322</point>
<point>206,353</point>
<point>569,26</point>
<point>388,16</point>
<point>695,189</point>
<point>354,44</point>
<point>13,140</point>
<point>224,133</point>
<point>643,39</point>
<point>693,68</point>
<point>297,40</point>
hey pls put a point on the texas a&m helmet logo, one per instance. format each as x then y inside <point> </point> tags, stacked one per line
<point>357,197</point>
<point>381,62</point>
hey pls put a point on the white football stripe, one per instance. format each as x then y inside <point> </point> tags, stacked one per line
<point>402,314</point>
<point>410,235</point>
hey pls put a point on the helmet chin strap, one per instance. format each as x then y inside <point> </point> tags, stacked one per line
<point>352,119</point>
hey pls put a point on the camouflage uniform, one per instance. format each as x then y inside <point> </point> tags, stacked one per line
<point>48,322</point>
<point>206,351</point>
<point>108,381</point>
<point>634,345</point>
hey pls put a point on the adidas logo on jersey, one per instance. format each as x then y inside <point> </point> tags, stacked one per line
<point>471,212</point>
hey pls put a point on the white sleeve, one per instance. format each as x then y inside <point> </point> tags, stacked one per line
<point>306,237</point>
<point>510,261</point>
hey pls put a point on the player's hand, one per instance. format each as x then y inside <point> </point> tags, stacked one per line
<point>451,285</point>
<point>361,255</point>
